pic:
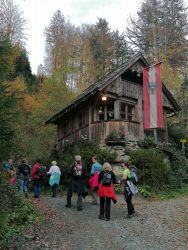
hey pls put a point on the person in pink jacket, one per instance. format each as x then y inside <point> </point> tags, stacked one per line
<point>95,170</point>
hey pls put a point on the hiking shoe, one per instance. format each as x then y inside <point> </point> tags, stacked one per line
<point>68,206</point>
<point>107,219</point>
<point>101,217</point>
<point>129,216</point>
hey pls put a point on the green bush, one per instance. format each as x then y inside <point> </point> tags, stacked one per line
<point>175,134</point>
<point>148,142</point>
<point>153,169</point>
<point>160,167</point>
<point>115,136</point>
<point>145,190</point>
<point>179,169</point>
<point>15,213</point>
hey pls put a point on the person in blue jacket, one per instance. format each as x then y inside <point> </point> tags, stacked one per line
<point>95,170</point>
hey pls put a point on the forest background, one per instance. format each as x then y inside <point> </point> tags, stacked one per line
<point>75,58</point>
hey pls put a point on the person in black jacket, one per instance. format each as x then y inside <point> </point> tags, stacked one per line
<point>76,174</point>
<point>23,173</point>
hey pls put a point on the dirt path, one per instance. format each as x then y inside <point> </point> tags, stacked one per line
<point>157,225</point>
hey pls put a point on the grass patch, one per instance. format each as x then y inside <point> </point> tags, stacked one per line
<point>169,193</point>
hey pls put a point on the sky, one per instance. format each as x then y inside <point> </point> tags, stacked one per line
<point>38,14</point>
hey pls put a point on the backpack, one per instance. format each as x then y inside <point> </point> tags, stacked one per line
<point>77,169</point>
<point>131,188</point>
<point>134,177</point>
<point>106,179</point>
<point>41,172</point>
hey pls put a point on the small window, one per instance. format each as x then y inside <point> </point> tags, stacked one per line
<point>101,113</point>
<point>130,113</point>
<point>106,111</point>
<point>110,111</point>
<point>123,111</point>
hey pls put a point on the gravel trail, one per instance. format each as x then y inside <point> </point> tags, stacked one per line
<point>156,225</point>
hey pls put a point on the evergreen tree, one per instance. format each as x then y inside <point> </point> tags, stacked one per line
<point>55,35</point>
<point>121,51</point>
<point>23,68</point>
<point>175,27</point>
<point>101,45</point>
<point>160,30</point>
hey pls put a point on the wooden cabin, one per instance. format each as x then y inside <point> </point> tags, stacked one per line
<point>114,103</point>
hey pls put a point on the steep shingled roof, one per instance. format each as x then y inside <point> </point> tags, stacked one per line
<point>107,79</point>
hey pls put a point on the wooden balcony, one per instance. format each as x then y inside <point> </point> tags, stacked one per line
<point>101,129</point>
<point>129,129</point>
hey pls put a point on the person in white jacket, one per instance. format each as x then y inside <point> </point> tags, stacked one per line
<point>55,173</point>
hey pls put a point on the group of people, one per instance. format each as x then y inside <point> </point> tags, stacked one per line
<point>20,177</point>
<point>101,182</point>
<point>38,174</point>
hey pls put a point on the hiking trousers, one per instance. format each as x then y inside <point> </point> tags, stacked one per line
<point>94,193</point>
<point>130,206</point>
<point>37,188</point>
<point>79,200</point>
<point>54,190</point>
<point>105,207</point>
<point>23,185</point>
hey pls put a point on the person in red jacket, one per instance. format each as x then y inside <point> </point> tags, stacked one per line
<point>106,180</point>
<point>36,179</point>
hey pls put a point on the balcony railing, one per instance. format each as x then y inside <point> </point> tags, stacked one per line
<point>101,129</point>
<point>128,129</point>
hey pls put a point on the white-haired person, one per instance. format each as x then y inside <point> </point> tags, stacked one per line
<point>107,179</point>
<point>76,175</point>
<point>54,180</point>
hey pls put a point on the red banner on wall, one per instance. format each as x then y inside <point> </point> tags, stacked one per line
<point>153,104</point>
